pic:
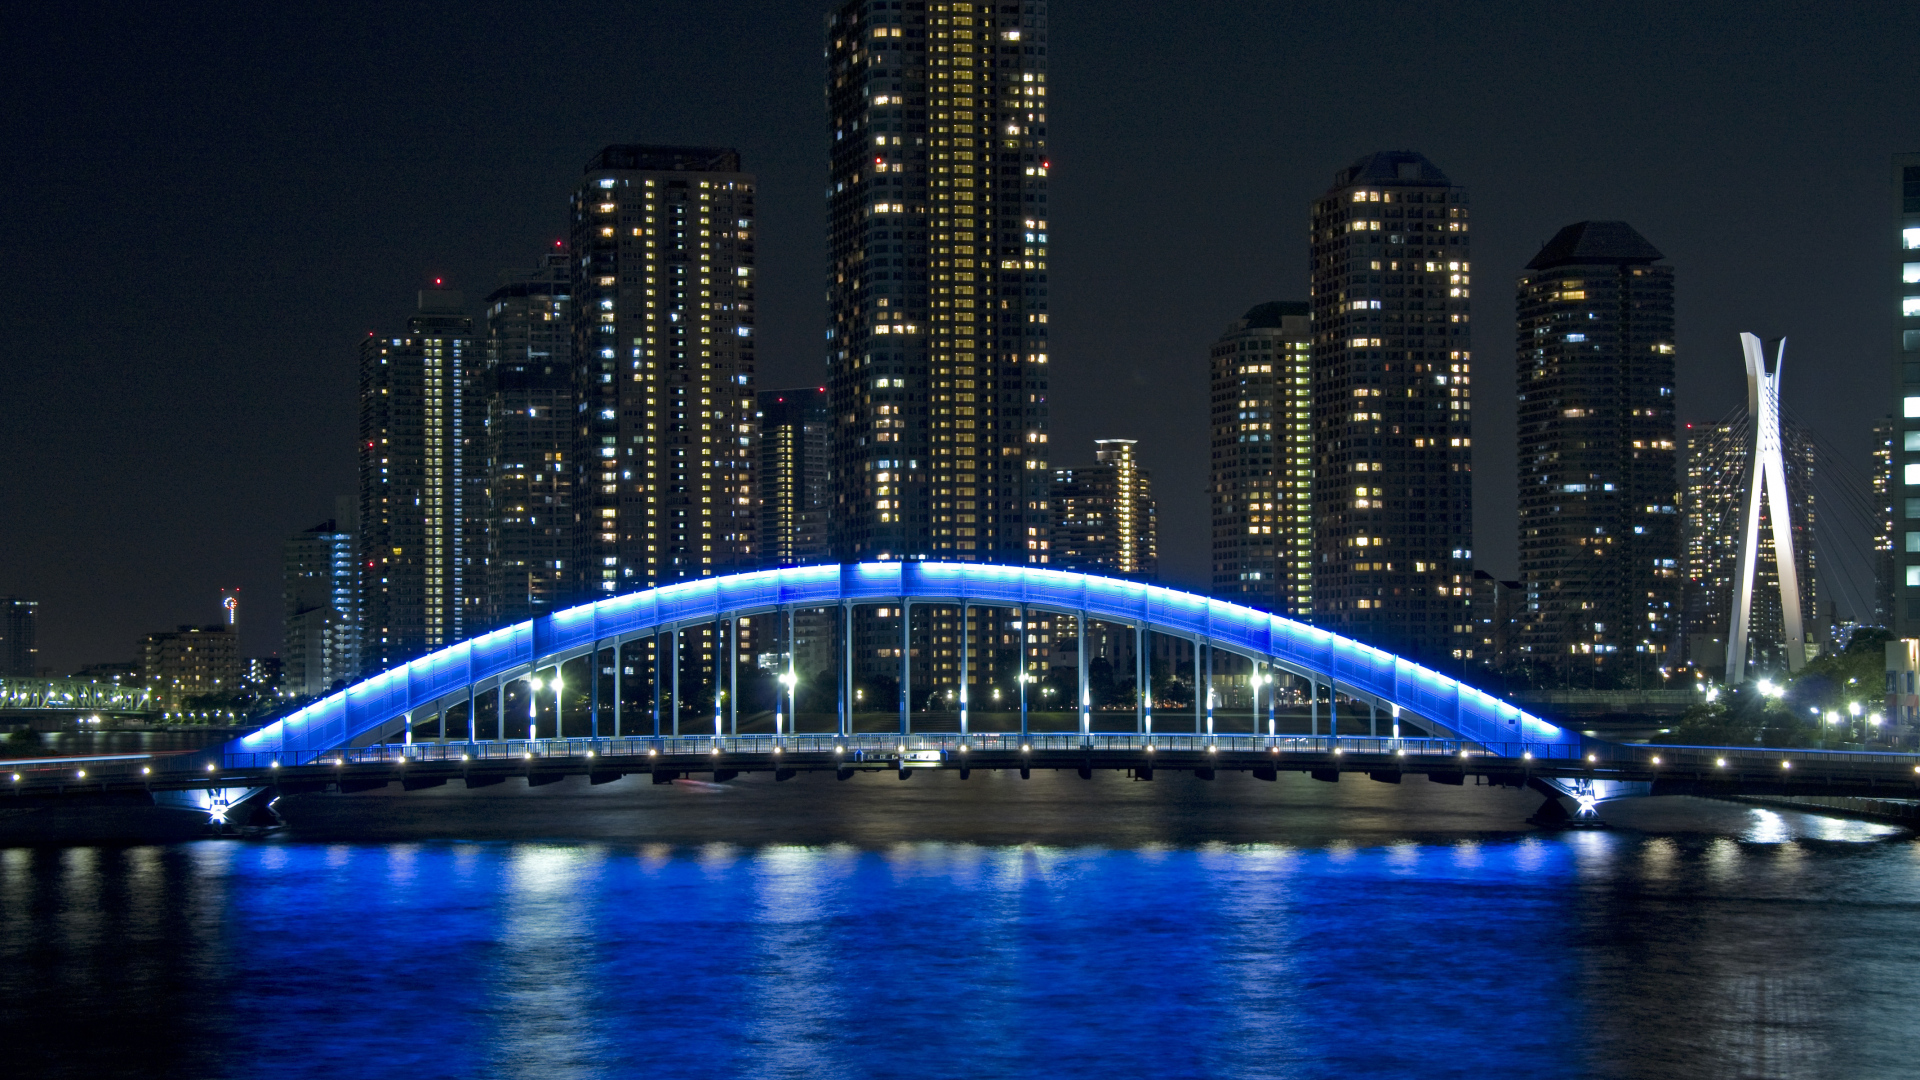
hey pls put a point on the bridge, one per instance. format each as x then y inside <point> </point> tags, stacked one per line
<point>606,680</point>
<point>74,695</point>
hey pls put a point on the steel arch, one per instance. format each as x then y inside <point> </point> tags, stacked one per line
<point>1357,670</point>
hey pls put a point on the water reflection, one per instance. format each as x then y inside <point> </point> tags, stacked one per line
<point>1784,951</point>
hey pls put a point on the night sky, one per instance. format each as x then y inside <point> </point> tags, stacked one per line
<point>206,207</point>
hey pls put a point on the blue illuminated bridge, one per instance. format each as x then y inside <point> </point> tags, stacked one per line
<point>651,683</point>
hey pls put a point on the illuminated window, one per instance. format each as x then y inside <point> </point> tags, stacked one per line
<point>1910,307</point>
<point>1910,239</point>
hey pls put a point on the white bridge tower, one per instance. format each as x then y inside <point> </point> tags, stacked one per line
<point>1766,478</point>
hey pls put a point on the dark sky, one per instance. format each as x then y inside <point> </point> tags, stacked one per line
<point>206,206</point>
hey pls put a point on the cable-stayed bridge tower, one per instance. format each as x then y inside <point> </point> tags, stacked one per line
<point>1766,480</point>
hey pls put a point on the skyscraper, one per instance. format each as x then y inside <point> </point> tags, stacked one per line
<point>1880,477</point>
<point>19,645</point>
<point>1392,383</point>
<point>1599,491</point>
<point>422,488</point>
<point>662,243</point>
<point>1261,479</point>
<point>528,383</point>
<point>937,281</point>
<point>1104,517</point>
<point>795,434</point>
<point>1906,194</point>
<point>318,590</point>
<point>1718,456</point>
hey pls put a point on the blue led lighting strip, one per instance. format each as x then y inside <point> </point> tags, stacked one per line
<point>1359,670</point>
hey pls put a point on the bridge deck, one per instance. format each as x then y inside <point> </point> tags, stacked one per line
<point>1669,769</point>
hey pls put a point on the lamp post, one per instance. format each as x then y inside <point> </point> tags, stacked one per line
<point>788,680</point>
<point>535,685</point>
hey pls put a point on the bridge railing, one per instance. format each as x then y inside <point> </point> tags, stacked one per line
<point>683,751</point>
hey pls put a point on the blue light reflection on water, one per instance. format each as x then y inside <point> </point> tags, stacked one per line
<point>1577,955</point>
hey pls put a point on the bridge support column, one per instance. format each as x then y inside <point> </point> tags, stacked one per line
<point>473,716</point>
<point>593,692</point>
<point>1025,615</point>
<point>1199,699</point>
<point>619,666</point>
<point>846,668</point>
<point>1139,687</point>
<point>965,613</point>
<point>1313,693</point>
<point>1373,719</point>
<point>500,710</point>
<point>1273,702</point>
<point>906,668</point>
<point>719,684</point>
<point>1086,718</point>
<point>657,672</point>
<point>1209,680</point>
<point>676,682</point>
<point>733,676</point>
<point>1333,711</point>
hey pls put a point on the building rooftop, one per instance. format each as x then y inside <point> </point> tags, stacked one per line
<point>1612,243</point>
<point>667,159</point>
<point>1267,316</point>
<point>1400,168</point>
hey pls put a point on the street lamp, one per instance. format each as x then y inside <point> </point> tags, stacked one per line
<point>788,680</point>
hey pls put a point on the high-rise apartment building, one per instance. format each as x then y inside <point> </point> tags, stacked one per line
<point>1103,515</point>
<point>527,381</point>
<point>663,357</point>
<point>938,281</point>
<point>1599,491</point>
<point>319,649</point>
<point>1392,382</point>
<point>191,662</point>
<point>1880,477</point>
<point>1906,364</point>
<point>1261,478</point>
<point>422,543</point>
<point>795,429</point>
<point>1718,457</point>
<point>19,643</point>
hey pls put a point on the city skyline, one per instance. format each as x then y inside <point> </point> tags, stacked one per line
<point>1123,375</point>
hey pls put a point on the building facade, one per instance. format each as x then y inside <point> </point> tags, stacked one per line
<point>19,641</point>
<point>527,381</point>
<point>191,662</point>
<point>1104,518</point>
<point>422,543</point>
<point>1393,432</point>
<point>1880,478</point>
<point>937,280</point>
<point>320,595</point>
<point>795,439</point>
<point>1906,375</point>
<point>663,361</point>
<point>1600,533</point>
<point>1261,467</point>
<point>1718,457</point>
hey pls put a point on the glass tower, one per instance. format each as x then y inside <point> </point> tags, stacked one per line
<point>937,281</point>
<point>794,440</point>
<point>528,383</point>
<point>1104,515</point>
<point>1599,490</point>
<point>422,488</point>
<point>1906,485</point>
<point>662,246</point>
<point>1392,387</point>
<point>1261,483</point>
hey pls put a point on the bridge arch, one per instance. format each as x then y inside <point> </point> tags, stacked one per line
<point>516,652</point>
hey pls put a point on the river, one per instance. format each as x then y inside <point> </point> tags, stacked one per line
<point>945,928</point>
